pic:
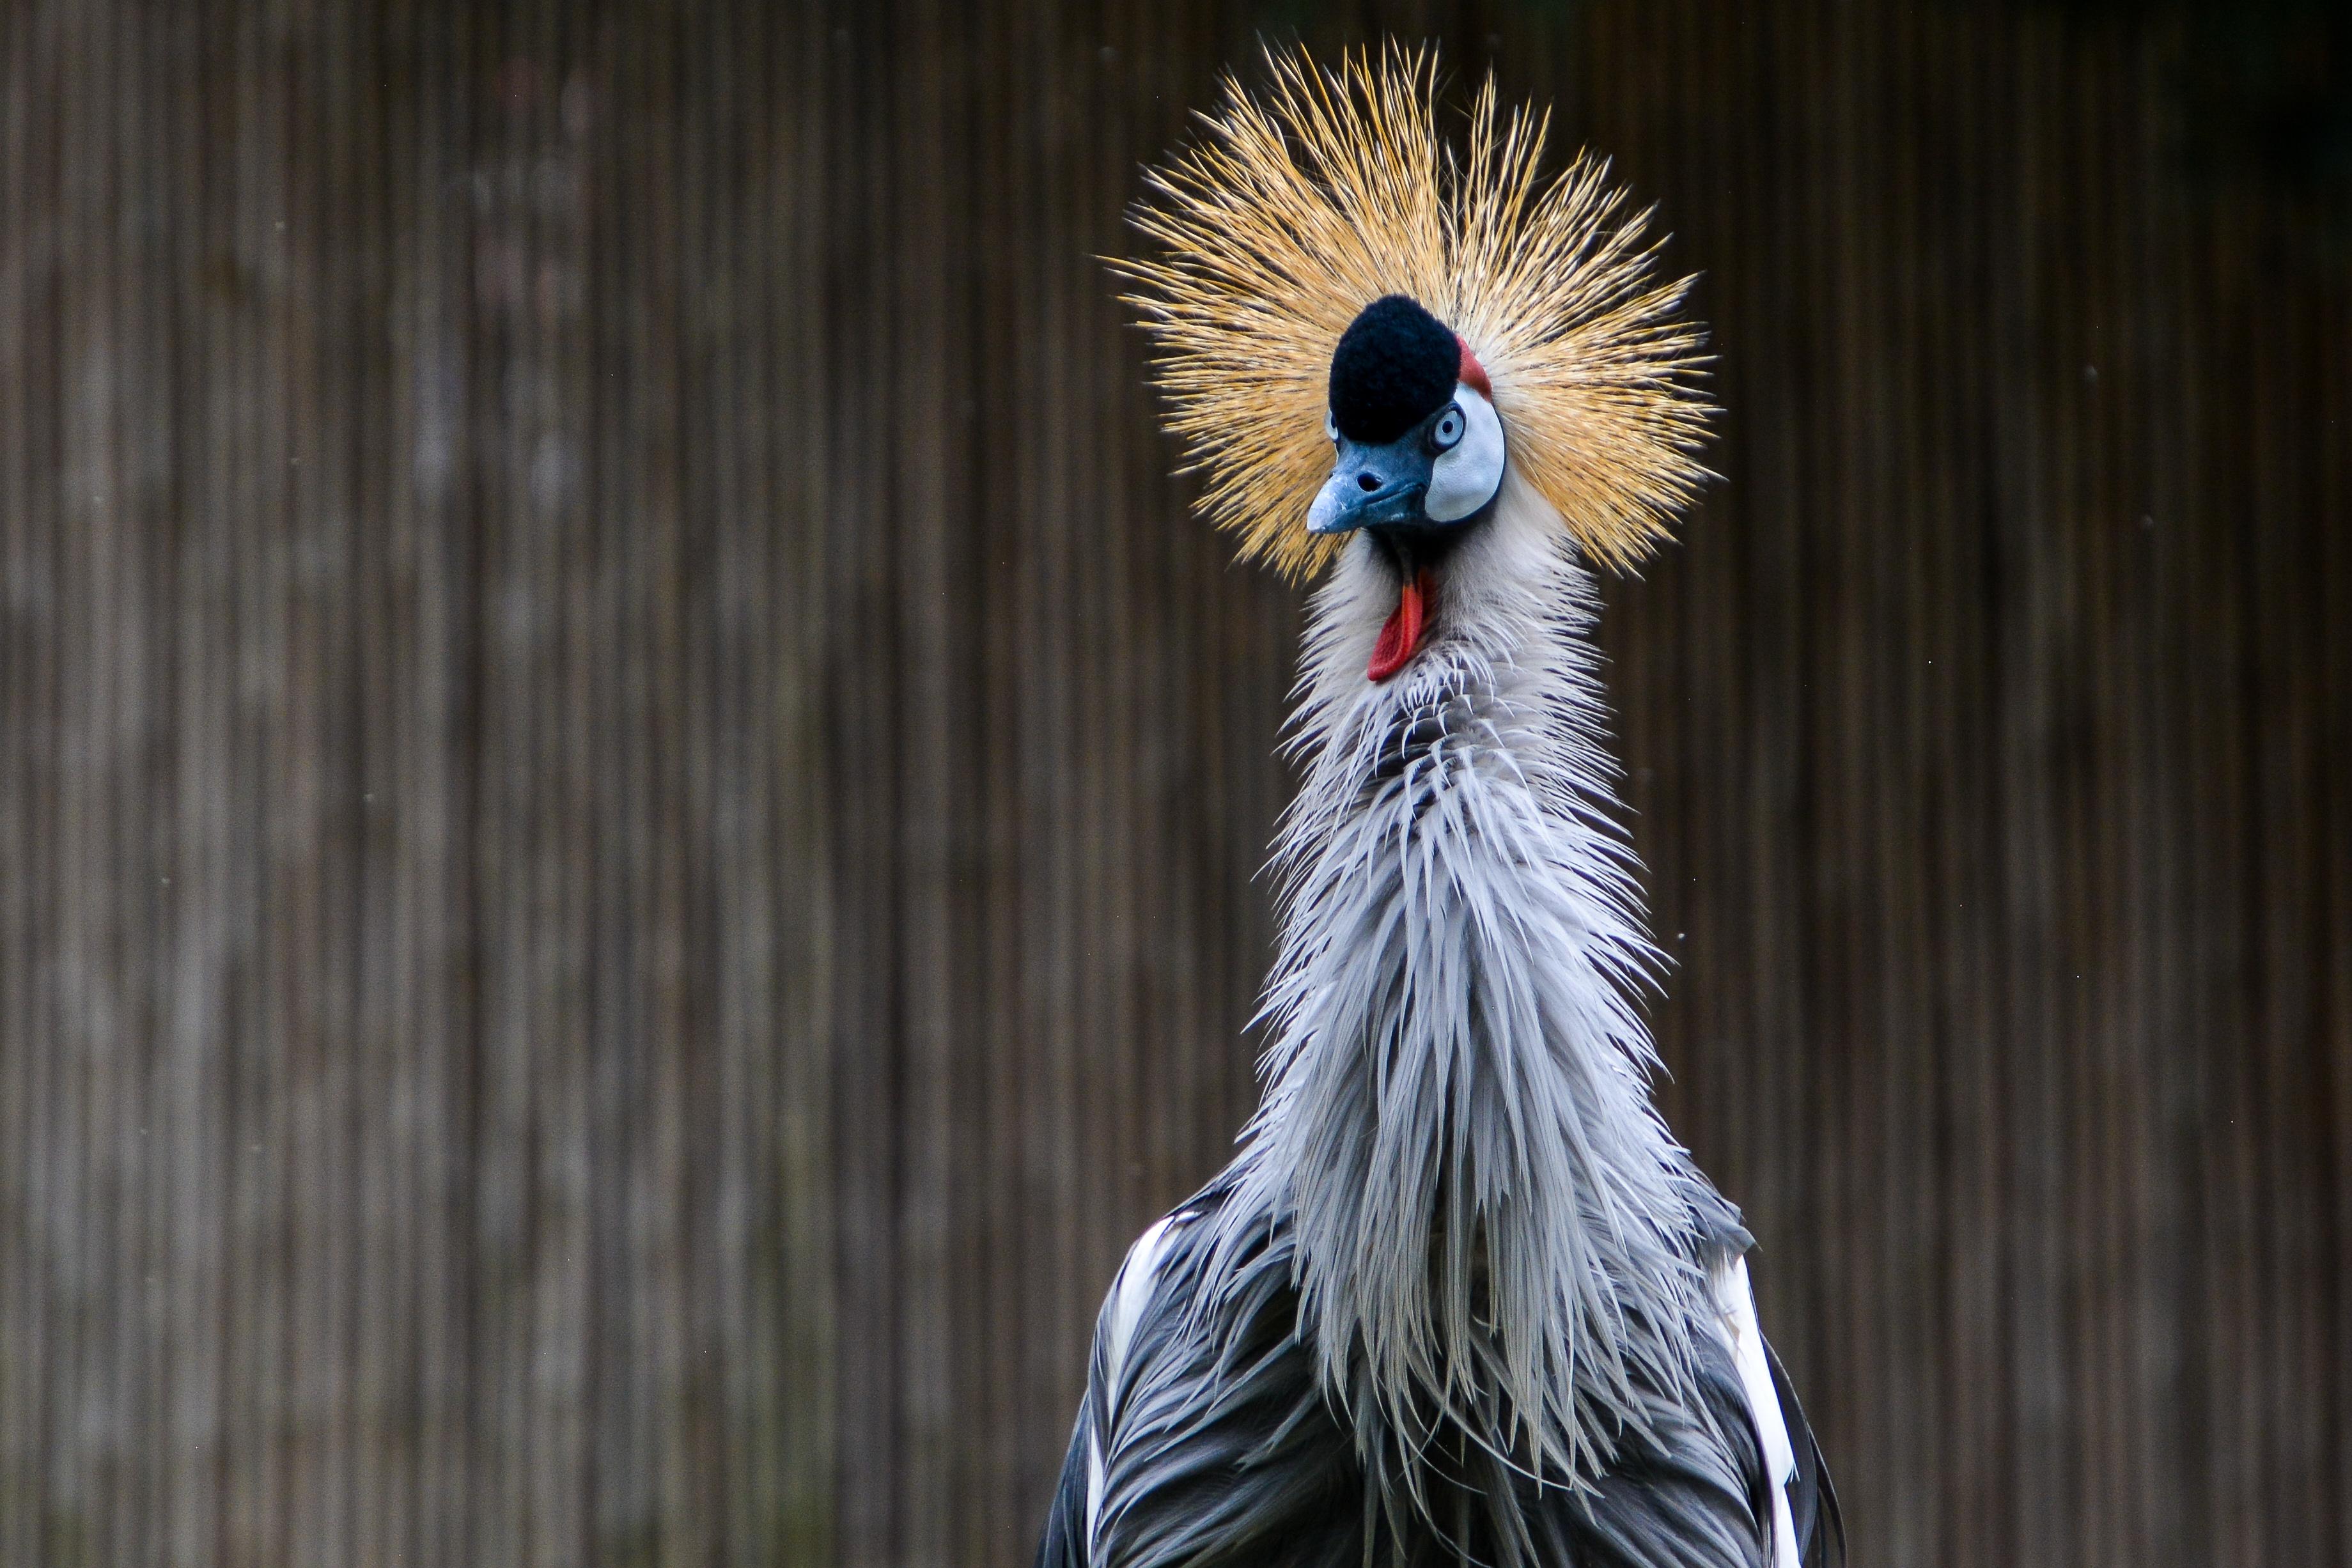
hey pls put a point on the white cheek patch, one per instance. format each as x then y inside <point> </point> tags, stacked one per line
<point>1466,475</point>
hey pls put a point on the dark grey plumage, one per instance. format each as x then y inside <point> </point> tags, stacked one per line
<point>1230,1456</point>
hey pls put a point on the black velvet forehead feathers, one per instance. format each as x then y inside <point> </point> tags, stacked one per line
<point>1395,366</point>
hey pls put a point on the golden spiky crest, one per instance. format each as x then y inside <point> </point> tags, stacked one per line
<point>1306,202</point>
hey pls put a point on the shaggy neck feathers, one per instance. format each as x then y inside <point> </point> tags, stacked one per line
<point>1497,1236</point>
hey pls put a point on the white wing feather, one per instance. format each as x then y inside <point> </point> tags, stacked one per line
<point>1734,1302</point>
<point>1129,1293</point>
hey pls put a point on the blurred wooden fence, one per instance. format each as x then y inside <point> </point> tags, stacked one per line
<point>628,806</point>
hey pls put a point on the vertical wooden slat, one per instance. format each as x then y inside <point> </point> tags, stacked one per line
<point>27,634</point>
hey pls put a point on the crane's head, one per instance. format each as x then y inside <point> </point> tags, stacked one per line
<point>1419,453</point>
<point>1516,376</point>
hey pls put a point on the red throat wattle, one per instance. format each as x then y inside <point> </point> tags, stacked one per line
<point>1400,637</point>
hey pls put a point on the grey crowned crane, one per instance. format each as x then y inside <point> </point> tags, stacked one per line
<point>1461,1297</point>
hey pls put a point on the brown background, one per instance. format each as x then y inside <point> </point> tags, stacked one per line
<point>629,811</point>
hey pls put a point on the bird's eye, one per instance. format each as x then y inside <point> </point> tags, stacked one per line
<point>1447,430</point>
<point>1330,428</point>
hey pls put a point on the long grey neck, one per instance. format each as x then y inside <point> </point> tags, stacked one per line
<point>1494,1227</point>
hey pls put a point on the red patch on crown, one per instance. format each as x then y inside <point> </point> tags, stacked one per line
<point>1473,374</point>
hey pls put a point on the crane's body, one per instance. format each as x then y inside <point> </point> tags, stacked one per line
<point>1461,1297</point>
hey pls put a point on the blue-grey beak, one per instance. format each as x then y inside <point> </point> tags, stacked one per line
<point>1371,485</point>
